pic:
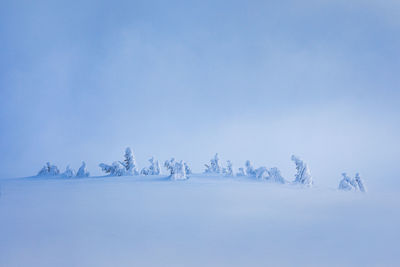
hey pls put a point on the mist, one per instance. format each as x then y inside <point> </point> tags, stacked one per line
<point>255,80</point>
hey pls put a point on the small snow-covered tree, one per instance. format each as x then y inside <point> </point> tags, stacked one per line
<point>49,170</point>
<point>303,175</point>
<point>275,176</point>
<point>176,169</point>
<point>53,170</point>
<point>346,184</point>
<point>261,173</point>
<point>106,168</point>
<point>228,171</point>
<point>179,171</point>
<point>68,172</point>
<point>187,169</point>
<point>250,171</point>
<point>43,171</point>
<point>360,183</point>
<point>119,170</point>
<point>154,168</point>
<point>145,171</point>
<point>169,165</point>
<point>241,172</point>
<point>116,169</point>
<point>82,171</point>
<point>214,166</point>
<point>271,175</point>
<point>130,162</point>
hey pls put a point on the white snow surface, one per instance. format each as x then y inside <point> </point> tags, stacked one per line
<point>203,221</point>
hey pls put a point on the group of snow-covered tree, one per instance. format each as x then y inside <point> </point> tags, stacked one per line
<point>180,170</point>
<point>52,170</point>
<point>128,166</point>
<point>303,175</point>
<point>121,168</point>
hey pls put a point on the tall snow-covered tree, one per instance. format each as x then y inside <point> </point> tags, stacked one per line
<point>49,170</point>
<point>303,175</point>
<point>68,172</point>
<point>82,171</point>
<point>130,162</point>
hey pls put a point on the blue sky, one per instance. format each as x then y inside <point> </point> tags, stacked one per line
<point>252,80</point>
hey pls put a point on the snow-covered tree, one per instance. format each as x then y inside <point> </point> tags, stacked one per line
<point>241,172</point>
<point>116,169</point>
<point>145,171</point>
<point>214,166</point>
<point>275,176</point>
<point>82,171</point>
<point>169,165</point>
<point>250,171</point>
<point>154,168</point>
<point>179,171</point>
<point>263,173</point>
<point>176,169</point>
<point>130,162</point>
<point>260,173</point>
<point>120,170</point>
<point>346,184</point>
<point>360,183</point>
<point>228,171</point>
<point>106,168</point>
<point>187,169</point>
<point>68,172</point>
<point>49,170</point>
<point>303,175</point>
<point>44,171</point>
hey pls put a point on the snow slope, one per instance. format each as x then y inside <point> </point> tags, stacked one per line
<point>204,221</point>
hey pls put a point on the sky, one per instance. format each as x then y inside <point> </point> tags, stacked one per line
<point>257,80</point>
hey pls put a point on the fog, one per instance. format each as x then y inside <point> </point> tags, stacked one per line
<point>250,80</point>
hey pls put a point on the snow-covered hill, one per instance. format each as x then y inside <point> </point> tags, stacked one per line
<point>203,221</point>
